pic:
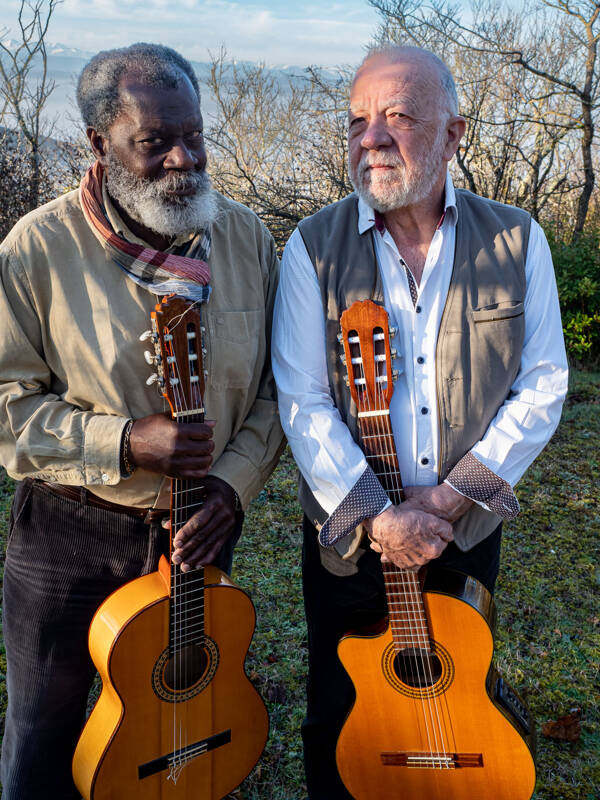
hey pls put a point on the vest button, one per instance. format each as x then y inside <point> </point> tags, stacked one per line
<point>424,410</point>
<point>418,309</point>
<point>424,461</point>
<point>420,360</point>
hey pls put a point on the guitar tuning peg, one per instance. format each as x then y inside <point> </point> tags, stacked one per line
<point>340,337</point>
<point>343,359</point>
<point>346,380</point>
<point>145,335</point>
<point>152,379</point>
<point>393,332</point>
<point>395,374</point>
<point>393,352</point>
<point>149,357</point>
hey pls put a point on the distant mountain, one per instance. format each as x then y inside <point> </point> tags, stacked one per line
<point>65,64</point>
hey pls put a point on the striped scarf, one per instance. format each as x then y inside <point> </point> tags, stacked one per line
<point>160,273</point>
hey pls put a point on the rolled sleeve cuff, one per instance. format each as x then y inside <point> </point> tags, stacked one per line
<point>367,498</point>
<point>102,449</point>
<point>474,480</point>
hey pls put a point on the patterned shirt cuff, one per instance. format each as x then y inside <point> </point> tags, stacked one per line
<point>474,480</point>
<point>367,498</point>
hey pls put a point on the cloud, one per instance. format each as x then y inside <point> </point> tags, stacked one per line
<point>272,31</point>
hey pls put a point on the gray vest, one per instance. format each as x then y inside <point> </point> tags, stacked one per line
<point>480,338</point>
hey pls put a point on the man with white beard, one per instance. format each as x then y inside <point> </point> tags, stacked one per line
<point>88,440</point>
<point>469,288</point>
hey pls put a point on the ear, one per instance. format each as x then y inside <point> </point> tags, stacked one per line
<point>99,143</point>
<point>455,129</point>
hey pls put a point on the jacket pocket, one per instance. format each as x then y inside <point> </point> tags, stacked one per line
<point>232,346</point>
<point>497,311</point>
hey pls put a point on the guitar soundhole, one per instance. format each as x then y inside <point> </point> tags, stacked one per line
<point>418,668</point>
<point>187,673</point>
<point>185,668</point>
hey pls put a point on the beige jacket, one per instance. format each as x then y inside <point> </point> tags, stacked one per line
<point>72,367</point>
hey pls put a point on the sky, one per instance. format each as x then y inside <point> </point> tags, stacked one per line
<point>277,32</point>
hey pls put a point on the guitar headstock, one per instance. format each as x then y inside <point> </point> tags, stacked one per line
<point>177,337</point>
<point>367,355</point>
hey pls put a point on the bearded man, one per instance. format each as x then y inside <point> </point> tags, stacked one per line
<point>469,288</point>
<point>80,428</point>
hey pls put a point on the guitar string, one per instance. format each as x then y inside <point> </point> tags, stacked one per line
<point>390,571</point>
<point>387,478</point>
<point>413,612</point>
<point>180,610</point>
<point>186,611</point>
<point>185,616</point>
<point>410,580</point>
<point>176,611</point>
<point>179,654</point>
<point>416,614</point>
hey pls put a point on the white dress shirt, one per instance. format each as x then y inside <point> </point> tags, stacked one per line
<point>329,459</point>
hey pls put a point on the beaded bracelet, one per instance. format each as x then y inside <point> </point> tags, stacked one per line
<point>129,467</point>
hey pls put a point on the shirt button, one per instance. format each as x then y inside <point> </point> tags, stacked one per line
<point>420,360</point>
<point>418,309</point>
<point>105,478</point>
<point>424,410</point>
<point>424,461</point>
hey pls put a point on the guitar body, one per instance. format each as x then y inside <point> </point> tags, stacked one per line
<point>209,711</point>
<point>464,737</point>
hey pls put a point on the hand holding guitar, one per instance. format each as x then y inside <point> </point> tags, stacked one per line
<point>408,536</point>
<point>442,501</point>
<point>198,542</point>
<point>157,443</point>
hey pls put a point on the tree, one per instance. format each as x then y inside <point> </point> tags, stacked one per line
<point>21,105</point>
<point>546,58</point>
<point>278,144</point>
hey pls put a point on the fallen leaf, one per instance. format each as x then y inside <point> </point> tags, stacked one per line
<point>567,728</point>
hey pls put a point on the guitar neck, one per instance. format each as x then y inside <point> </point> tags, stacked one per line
<point>177,336</point>
<point>186,606</point>
<point>408,621</point>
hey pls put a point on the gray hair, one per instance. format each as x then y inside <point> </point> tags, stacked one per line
<point>98,94</point>
<point>397,52</point>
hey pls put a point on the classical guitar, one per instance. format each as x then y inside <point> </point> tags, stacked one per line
<point>177,716</point>
<point>432,719</point>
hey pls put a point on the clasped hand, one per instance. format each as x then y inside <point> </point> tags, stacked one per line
<point>418,530</point>
<point>159,444</point>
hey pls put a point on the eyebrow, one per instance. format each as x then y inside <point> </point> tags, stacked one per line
<point>399,100</point>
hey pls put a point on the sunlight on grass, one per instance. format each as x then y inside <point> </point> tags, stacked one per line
<point>547,632</point>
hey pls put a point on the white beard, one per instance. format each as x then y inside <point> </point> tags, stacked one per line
<point>150,202</point>
<point>401,186</point>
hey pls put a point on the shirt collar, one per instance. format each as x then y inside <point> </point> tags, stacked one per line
<point>121,229</point>
<point>369,218</point>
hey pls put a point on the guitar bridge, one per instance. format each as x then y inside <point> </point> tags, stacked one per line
<point>416,760</point>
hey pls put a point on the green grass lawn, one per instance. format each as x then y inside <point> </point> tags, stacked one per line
<point>548,617</point>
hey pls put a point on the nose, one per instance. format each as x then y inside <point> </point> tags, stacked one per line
<point>182,157</point>
<point>376,135</point>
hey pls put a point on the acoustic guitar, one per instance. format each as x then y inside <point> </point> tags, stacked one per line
<point>177,717</point>
<point>432,719</point>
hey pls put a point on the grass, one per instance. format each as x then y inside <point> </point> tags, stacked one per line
<point>548,618</point>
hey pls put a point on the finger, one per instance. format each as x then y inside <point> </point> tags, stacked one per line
<point>445,531</point>
<point>192,468</point>
<point>201,542</point>
<point>205,552</point>
<point>210,509</point>
<point>193,447</point>
<point>200,430</point>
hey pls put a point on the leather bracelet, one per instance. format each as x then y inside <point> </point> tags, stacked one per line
<point>129,467</point>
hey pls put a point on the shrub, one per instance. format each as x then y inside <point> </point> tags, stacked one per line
<point>577,267</point>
